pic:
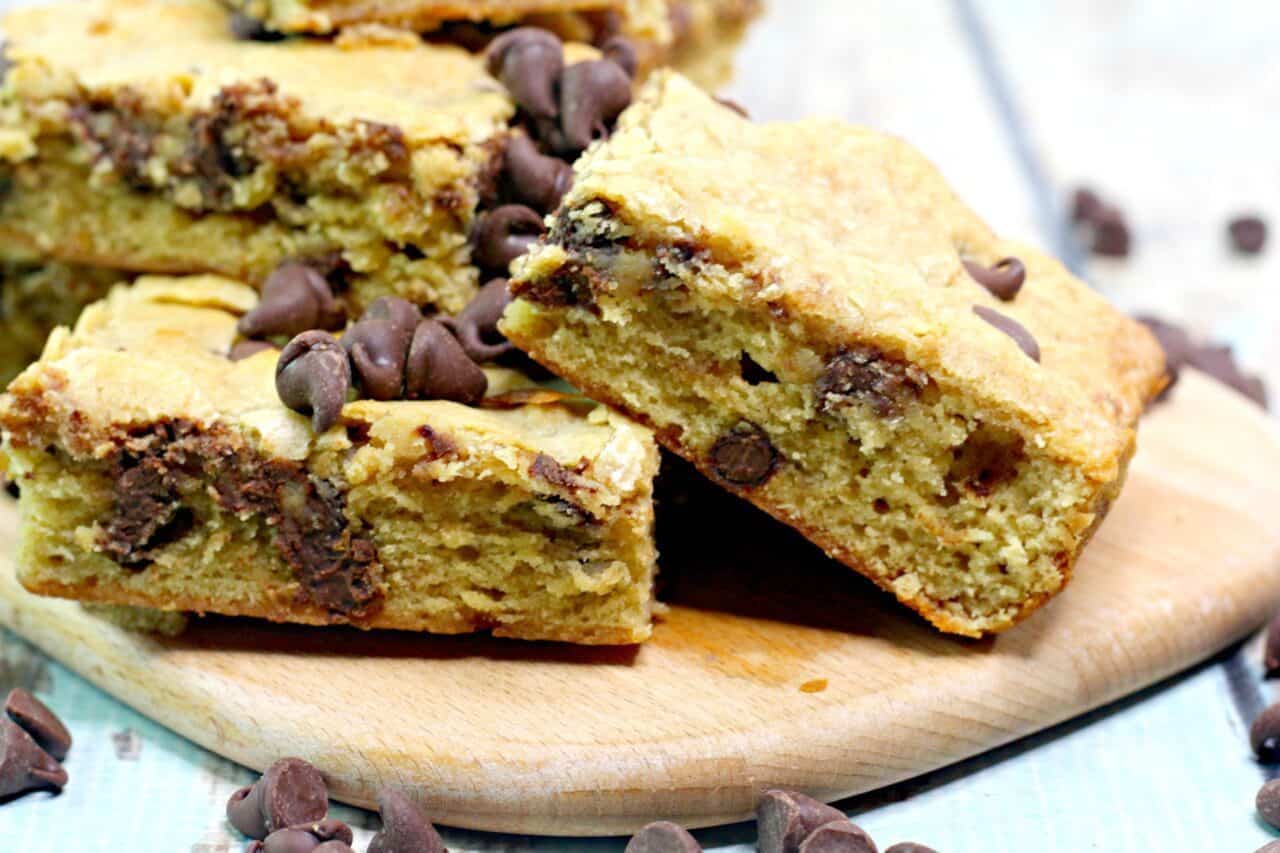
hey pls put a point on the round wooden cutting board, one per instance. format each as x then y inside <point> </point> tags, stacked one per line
<point>774,666</point>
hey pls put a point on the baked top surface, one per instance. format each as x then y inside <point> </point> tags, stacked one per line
<point>855,236</point>
<point>156,351</point>
<point>183,52</point>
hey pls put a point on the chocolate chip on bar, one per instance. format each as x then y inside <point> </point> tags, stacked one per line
<point>438,368</point>
<point>295,299</point>
<point>290,793</point>
<point>744,457</point>
<point>663,837</point>
<point>308,838</point>
<point>313,376</point>
<point>865,374</point>
<point>786,818</point>
<point>378,345</point>
<point>535,179</point>
<point>504,234</point>
<point>838,837</point>
<point>528,62</point>
<point>42,724</point>
<point>1248,234</point>
<point>476,326</point>
<point>1011,327</point>
<point>404,827</point>
<point>24,766</point>
<point>1003,280</point>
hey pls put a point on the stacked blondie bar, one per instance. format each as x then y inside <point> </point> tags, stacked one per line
<point>307,403</point>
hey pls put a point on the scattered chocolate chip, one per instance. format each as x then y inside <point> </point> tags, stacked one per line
<point>1271,655</point>
<point>620,51</point>
<point>752,373</point>
<point>1268,802</point>
<point>1085,205</point>
<point>304,839</point>
<point>744,456</point>
<point>42,724</point>
<point>527,61</point>
<point>1248,234</point>
<point>1111,236</point>
<point>1012,328</point>
<point>786,818</point>
<point>241,350</point>
<point>910,847</point>
<point>247,28</point>
<point>290,793</point>
<point>536,179</point>
<point>24,766</point>
<point>838,837</point>
<point>439,369</point>
<point>504,234</point>
<point>1177,346</point>
<point>313,376</point>
<point>1264,735</point>
<point>1218,362</point>
<point>476,326</point>
<point>592,95</point>
<point>378,344</point>
<point>295,298</point>
<point>405,829</point>
<point>663,837</point>
<point>334,847</point>
<point>1269,847</point>
<point>1003,280</point>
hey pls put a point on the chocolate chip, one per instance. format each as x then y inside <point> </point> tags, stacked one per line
<point>1264,735</point>
<point>1269,847</point>
<point>1177,346</point>
<point>527,61</point>
<point>42,724</point>
<point>304,839</point>
<point>1086,205</point>
<point>1110,234</point>
<point>1268,802</point>
<point>504,234</point>
<point>1271,655</point>
<point>241,350</point>
<point>1248,234</point>
<point>291,793</point>
<point>620,51</point>
<point>24,766</point>
<point>744,456</point>
<point>12,489</point>
<point>1003,280</point>
<point>1012,328</point>
<point>313,376</point>
<point>663,837</point>
<point>592,95</point>
<point>535,179</point>
<point>786,818</point>
<point>295,298</point>
<point>476,326</point>
<point>247,28</point>
<point>439,369</point>
<point>405,829</point>
<point>334,847</point>
<point>1180,350</point>
<point>838,837</point>
<point>729,103</point>
<point>752,373</point>
<point>910,847</point>
<point>379,344</point>
<point>868,375</point>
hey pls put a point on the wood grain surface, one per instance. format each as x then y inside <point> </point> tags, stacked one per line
<point>773,667</point>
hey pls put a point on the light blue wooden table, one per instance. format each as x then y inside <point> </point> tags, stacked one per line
<point>1171,107</point>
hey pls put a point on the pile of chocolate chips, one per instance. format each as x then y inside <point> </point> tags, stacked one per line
<point>33,744</point>
<point>285,812</point>
<point>1181,350</point>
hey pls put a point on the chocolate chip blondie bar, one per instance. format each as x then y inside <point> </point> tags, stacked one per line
<point>146,137</point>
<point>697,36</point>
<point>808,314</point>
<point>35,298</point>
<point>159,468</point>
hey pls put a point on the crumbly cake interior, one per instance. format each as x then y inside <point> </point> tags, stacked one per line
<point>123,150</point>
<point>35,298</point>
<point>533,521</point>
<point>953,510</point>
